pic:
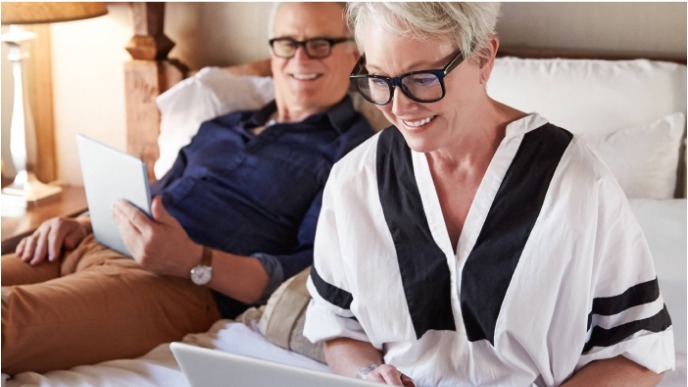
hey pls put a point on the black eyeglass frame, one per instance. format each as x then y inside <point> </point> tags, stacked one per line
<point>393,82</point>
<point>303,43</point>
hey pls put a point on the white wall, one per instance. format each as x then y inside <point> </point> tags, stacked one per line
<point>239,32</point>
<point>88,56</point>
<point>6,97</point>
<point>88,84</point>
<point>657,29</point>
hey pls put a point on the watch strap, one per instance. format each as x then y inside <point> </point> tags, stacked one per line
<point>207,256</point>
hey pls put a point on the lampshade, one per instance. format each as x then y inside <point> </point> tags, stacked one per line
<point>34,13</point>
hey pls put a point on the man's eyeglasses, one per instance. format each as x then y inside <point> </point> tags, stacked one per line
<point>421,86</point>
<point>316,48</point>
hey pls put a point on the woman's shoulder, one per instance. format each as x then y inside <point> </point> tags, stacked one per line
<point>582,167</point>
<point>577,164</point>
<point>358,162</point>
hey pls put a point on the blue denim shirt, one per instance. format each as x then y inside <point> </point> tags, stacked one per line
<point>259,195</point>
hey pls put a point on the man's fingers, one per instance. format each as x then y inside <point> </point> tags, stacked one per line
<point>40,251</point>
<point>56,237</point>
<point>125,213</point>
<point>131,223</point>
<point>73,237</point>
<point>20,248</point>
<point>159,212</point>
<point>27,251</point>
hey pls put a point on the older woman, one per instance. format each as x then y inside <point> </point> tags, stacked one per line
<point>471,243</point>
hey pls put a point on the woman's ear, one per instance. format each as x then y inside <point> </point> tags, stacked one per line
<point>491,49</point>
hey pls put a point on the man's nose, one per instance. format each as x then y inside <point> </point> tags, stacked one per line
<point>300,54</point>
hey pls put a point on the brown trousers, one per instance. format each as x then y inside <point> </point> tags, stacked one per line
<point>93,305</point>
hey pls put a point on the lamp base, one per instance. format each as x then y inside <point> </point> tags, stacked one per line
<point>30,193</point>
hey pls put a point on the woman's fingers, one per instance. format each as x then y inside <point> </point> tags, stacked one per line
<point>390,375</point>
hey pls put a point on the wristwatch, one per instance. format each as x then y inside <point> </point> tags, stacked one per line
<point>203,272</point>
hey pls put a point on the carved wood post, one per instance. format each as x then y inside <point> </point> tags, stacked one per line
<point>148,75</point>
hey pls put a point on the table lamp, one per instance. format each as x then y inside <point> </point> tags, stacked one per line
<point>26,188</point>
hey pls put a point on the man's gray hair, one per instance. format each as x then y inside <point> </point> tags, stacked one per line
<point>271,19</point>
<point>273,16</point>
<point>468,24</point>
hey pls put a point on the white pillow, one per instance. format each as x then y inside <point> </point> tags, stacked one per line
<point>209,93</point>
<point>600,97</point>
<point>583,95</point>
<point>643,159</point>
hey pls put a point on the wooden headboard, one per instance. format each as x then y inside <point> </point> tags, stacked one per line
<point>151,73</point>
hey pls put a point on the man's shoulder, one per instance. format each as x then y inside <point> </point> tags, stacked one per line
<point>346,119</point>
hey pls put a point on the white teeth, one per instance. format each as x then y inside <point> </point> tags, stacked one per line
<point>418,123</point>
<point>305,77</point>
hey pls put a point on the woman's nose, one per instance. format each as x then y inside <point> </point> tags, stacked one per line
<point>400,101</point>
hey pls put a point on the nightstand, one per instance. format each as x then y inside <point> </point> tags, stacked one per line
<point>71,202</point>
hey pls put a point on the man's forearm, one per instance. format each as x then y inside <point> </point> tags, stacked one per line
<point>617,371</point>
<point>241,278</point>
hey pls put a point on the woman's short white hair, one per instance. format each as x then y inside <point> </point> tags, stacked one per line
<point>468,24</point>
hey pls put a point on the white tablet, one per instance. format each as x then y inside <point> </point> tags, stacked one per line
<point>110,175</point>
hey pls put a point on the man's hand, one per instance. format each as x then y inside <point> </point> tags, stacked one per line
<point>50,237</point>
<point>160,245</point>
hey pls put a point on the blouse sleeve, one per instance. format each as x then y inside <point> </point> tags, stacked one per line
<point>329,313</point>
<point>628,316</point>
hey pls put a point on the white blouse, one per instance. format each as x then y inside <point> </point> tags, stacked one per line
<point>551,270</point>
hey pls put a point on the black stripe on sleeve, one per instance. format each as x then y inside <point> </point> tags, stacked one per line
<point>639,294</point>
<point>636,295</point>
<point>331,293</point>
<point>422,264</point>
<point>602,337</point>
<point>512,215</point>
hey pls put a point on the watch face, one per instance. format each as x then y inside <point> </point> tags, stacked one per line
<point>201,275</point>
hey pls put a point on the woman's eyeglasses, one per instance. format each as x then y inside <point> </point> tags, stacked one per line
<point>316,48</point>
<point>421,86</point>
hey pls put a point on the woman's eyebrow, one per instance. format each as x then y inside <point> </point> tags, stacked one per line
<point>417,66</point>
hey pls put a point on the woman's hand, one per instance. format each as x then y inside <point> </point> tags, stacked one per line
<point>50,237</point>
<point>388,374</point>
<point>346,356</point>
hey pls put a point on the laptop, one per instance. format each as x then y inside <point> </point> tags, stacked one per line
<point>205,367</point>
<point>109,175</point>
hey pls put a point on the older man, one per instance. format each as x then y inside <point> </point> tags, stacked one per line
<point>232,219</point>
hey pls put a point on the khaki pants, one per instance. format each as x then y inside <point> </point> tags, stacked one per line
<point>93,305</point>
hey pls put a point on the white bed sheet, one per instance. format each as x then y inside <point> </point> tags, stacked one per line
<point>665,227</point>
<point>664,222</point>
<point>158,367</point>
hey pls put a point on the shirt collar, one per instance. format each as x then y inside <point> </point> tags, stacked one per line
<point>341,116</point>
<point>260,117</point>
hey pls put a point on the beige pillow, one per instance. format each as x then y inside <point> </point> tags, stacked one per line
<point>284,317</point>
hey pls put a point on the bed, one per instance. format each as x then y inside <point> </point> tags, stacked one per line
<point>631,112</point>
